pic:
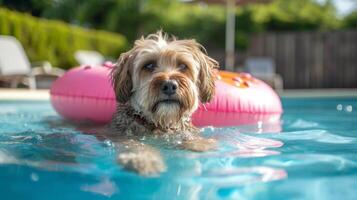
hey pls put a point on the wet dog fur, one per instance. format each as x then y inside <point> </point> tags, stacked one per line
<point>158,85</point>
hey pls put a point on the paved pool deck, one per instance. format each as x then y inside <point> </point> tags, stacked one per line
<point>304,93</point>
<point>26,94</point>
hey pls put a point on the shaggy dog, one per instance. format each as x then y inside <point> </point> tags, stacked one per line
<point>158,85</point>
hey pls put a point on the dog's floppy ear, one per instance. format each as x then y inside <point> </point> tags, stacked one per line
<point>207,77</point>
<point>207,73</point>
<point>121,78</point>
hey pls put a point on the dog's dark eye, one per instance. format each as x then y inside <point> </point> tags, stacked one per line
<point>150,66</point>
<point>182,67</point>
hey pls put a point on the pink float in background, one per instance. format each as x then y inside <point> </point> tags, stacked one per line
<point>85,93</point>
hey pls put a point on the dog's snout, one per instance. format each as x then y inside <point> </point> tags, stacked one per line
<point>169,87</point>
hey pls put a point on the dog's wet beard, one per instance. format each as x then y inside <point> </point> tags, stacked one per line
<point>167,114</point>
<point>172,112</point>
<point>165,102</point>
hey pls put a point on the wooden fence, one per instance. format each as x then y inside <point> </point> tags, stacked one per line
<point>311,59</point>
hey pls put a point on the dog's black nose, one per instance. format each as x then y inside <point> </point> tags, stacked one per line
<point>169,87</point>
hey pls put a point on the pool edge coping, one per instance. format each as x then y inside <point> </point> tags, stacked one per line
<point>44,94</point>
<point>318,93</point>
<point>24,94</point>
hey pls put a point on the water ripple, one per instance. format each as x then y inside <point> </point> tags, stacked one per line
<point>300,123</point>
<point>234,176</point>
<point>297,160</point>
<point>105,187</point>
<point>319,135</point>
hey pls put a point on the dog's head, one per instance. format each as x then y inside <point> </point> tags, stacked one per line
<point>164,78</point>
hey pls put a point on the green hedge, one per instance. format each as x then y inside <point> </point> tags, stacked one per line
<point>56,41</point>
<point>350,21</point>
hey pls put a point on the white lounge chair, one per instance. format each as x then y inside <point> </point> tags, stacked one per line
<point>264,68</point>
<point>84,57</point>
<point>16,68</point>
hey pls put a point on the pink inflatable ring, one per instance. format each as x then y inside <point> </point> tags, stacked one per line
<point>85,93</point>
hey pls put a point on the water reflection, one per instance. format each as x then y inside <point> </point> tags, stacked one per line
<point>104,187</point>
<point>230,176</point>
<point>49,149</point>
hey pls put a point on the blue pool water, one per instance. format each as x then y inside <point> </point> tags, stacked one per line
<point>313,157</point>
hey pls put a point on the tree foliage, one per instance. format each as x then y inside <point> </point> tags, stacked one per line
<point>351,20</point>
<point>56,41</point>
<point>296,15</point>
<point>133,18</point>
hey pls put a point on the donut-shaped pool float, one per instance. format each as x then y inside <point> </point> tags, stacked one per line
<point>85,93</point>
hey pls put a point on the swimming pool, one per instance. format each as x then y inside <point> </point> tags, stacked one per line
<point>313,157</point>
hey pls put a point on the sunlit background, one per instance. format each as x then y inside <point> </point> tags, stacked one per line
<point>299,144</point>
<point>289,44</point>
